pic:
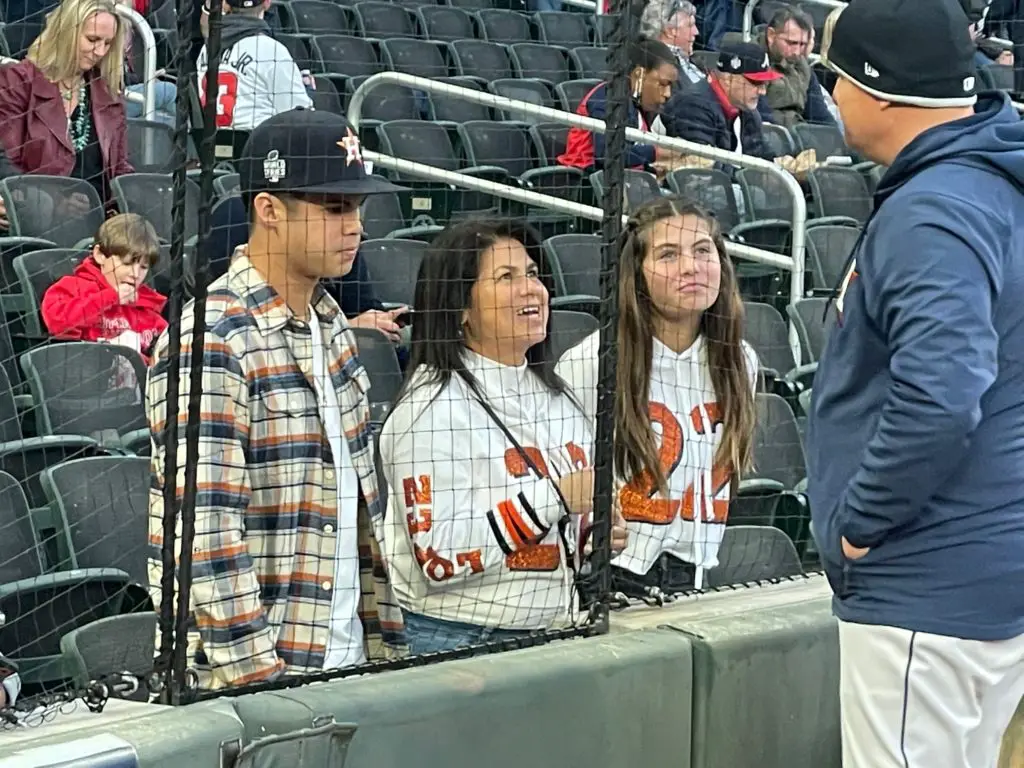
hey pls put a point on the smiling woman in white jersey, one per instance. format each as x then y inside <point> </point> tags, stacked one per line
<point>684,408</point>
<point>485,452</point>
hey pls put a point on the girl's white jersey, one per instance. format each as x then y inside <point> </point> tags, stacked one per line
<point>471,532</point>
<point>688,521</point>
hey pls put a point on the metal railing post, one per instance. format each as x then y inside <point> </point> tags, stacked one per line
<point>148,59</point>
<point>795,263</point>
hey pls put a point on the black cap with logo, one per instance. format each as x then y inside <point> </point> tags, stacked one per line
<point>904,51</point>
<point>306,151</point>
<point>747,59</point>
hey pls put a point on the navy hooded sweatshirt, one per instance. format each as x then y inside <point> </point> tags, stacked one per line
<point>916,436</point>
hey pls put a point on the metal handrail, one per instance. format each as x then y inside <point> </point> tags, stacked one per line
<point>748,12</point>
<point>148,57</point>
<point>795,263</point>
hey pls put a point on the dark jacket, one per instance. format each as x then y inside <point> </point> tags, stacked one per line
<point>914,440</point>
<point>229,228</point>
<point>584,149</point>
<point>697,115</point>
<point>815,110</point>
<point>34,127</point>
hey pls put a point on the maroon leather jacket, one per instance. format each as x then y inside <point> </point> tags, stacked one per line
<point>34,126</point>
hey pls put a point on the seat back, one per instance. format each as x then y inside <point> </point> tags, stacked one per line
<point>531,91</point>
<point>415,57</point>
<point>840,192</point>
<point>301,52</point>
<point>590,63</point>
<point>577,259</point>
<point>151,195</point>
<point>103,504</point>
<point>541,62</point>
<point>315,16</point>
<point>394,265</point>
<point>778,140</point>
<point>751,553</point>
<point>112,647</point>
<point>37,271</point>
<point>63,210</point>
<point>390,101</point>
<point>828,250</point>
<point>383,20</point>
<point>381,215</point>
<point>419,141</point>
<point>456,110</point>
<point>778,450</point>
<point>378,356</point>
<point>568,329</point>
<point>560,28</point>
<point>825,140</point>
<point>345,55</point>
<point>502,144</point>
<point>439,22</point>
<point>766,331</point>
<point>477,58</point>
<point>711,188</point>
<point>813,324</point>
<point>151,146</point>
<point>84,388</point>
<point>20,553</point>
<point>549,141</point>
<point>571,92</point>
<point>765,195</point>
<point>505,27</point>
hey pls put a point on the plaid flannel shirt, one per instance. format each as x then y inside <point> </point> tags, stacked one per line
<point>263,558</point>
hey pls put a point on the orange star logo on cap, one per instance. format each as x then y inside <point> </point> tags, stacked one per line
<point>351,146</point>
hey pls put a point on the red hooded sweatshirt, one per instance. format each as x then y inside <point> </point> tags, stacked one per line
<point>85,307</point>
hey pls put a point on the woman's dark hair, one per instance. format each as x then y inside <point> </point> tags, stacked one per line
<point>649,54</point>
<point>447,274</point>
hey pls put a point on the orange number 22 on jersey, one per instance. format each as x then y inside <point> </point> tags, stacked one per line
<point>637,497</point>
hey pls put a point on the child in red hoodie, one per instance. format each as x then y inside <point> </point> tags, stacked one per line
<point>105,299</point>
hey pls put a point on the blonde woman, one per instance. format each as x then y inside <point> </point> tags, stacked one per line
<point>60,108</point>
<point>684,405</point>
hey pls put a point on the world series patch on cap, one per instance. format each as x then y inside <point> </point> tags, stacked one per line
<point>747,59</point>
<point>307,151</point>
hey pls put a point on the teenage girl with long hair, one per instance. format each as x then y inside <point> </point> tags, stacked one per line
<point>684,399</point>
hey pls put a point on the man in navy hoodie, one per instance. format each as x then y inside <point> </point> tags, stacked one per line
<point>916,436</point>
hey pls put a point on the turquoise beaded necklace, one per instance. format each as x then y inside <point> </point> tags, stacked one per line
<point>79,129</point>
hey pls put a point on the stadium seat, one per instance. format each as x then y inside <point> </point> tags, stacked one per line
<point>603,25</point>
<point>532,91</point>
<point>709,187</point>
<point>825,140</point>
<point>481,59</point>
<point>442,22</point>
<point>347,56</point>
<point>226,185</point>
<point>568,30</point>
<point>46,207</point>
<point>37,271</point>
<point>456,110</point>
<point>301,52</point>
<point>381,215</point>
<point>568,329</point>
<point>421,58</point>
<point>504,27</point>
<point>19,35</point>
<point>778,140</point>
<point>327,96</point>
<point>828,251</point>
<point>765,195</point>
<point>85,388</point>
<point>160,279</point>
<point>1001,76</point>
<point>814,319</point>
<point>752,553</point>
<point>589,63</point>
<point>549,141</point>
<point>471,5</point>
<point>540,62</point>
<point>766,331</point>
<point>641,187</point>
<point>112,647</point>
<point>312,17</point>
<point>387,102</point>
<point>151,195</point>
<point>575,263</point>
<point>840,192</point>
<point>383,20</point>
<point>12,302</point>
<point>378,356</point>
<point>151,146</point>
<point>393,265</point>
<point>571,92</point>
<point>103,506</point>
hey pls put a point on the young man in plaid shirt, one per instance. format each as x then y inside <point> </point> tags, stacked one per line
<point>286,573</point>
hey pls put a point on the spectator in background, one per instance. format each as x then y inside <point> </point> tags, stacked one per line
<point>995,52</point>
<point>164,92</point>
<point>485,451</point>
<point>60,108</point>
<point>106,299</point>
<point>796,97</point>
<point>674,22</point>
<point>258,77</point>
<point>915,447</point>
<point>685,378</point>
<point>654,72</point>
<point>722,112</point>
<point>288,428</point>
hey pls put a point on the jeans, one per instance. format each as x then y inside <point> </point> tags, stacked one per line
<point>164,97</point>
<point>426,634</point>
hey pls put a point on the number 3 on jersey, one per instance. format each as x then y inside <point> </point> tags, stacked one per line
<point>227,93</point>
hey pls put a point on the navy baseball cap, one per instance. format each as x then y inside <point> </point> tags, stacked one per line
<point>307,151</point>
<point>747,59</point>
